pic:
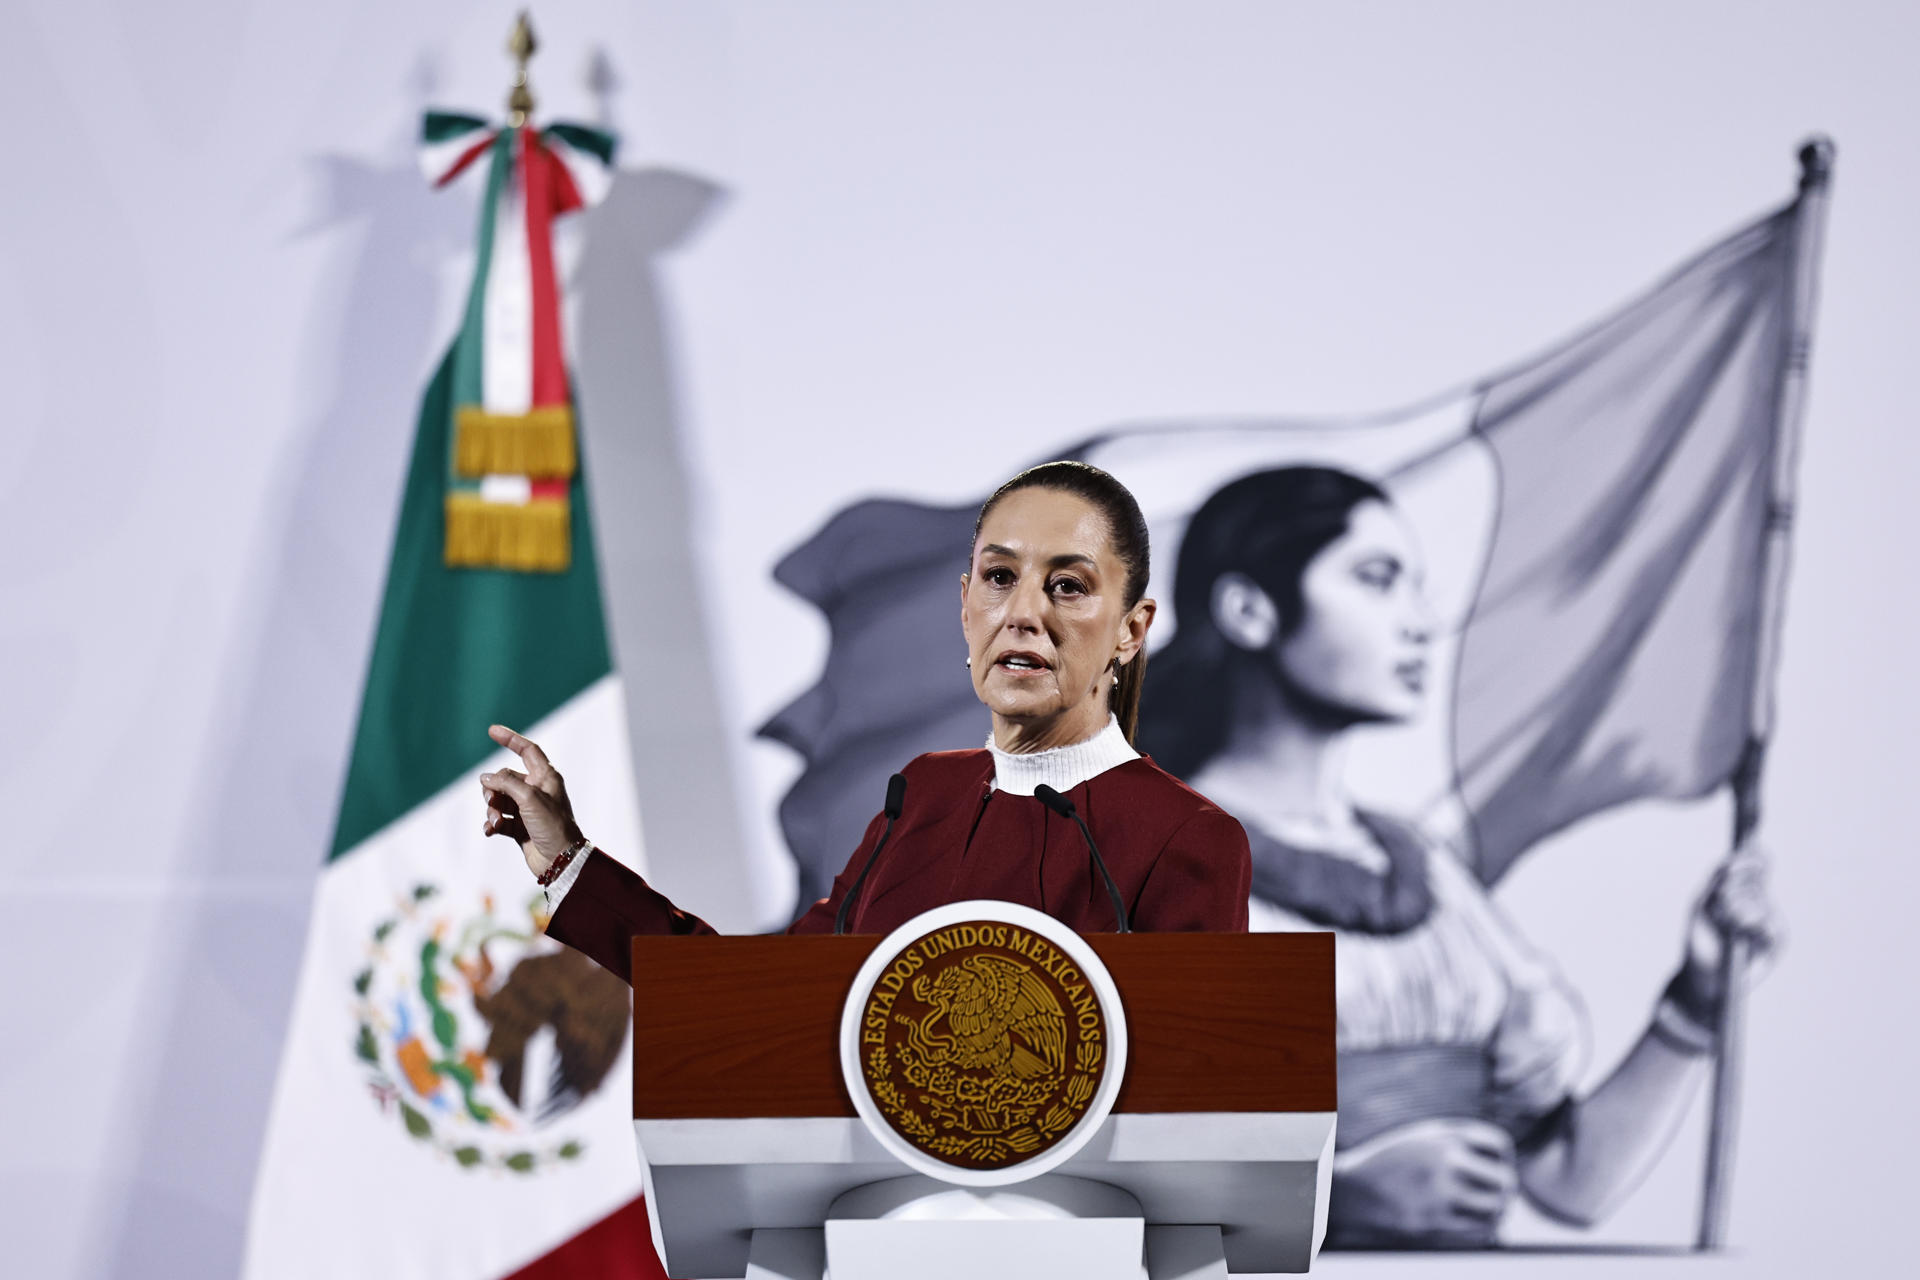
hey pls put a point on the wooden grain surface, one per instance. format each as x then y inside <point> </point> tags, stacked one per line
<point>748,1026</point>
<point>1224,1021</point>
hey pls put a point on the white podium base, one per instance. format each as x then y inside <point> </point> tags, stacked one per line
<point>747,1197</point>
<point>1172,1253</point>
<point>1044,1229</point>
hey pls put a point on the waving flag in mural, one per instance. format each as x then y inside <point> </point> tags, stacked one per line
<point>1596,522</point>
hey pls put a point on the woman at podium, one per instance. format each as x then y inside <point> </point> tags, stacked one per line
<point>1054,621</point>
<point>1302,617</point>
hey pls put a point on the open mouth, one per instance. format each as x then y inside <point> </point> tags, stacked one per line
<point>1413,674</point>
<point>1020,663</point>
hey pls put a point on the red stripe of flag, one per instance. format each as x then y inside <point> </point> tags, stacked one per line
<point>618,1247</point>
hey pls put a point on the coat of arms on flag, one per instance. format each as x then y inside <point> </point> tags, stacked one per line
<point>477,1033</point>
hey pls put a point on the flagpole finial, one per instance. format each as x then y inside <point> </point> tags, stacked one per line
<point>522,45</point>
<point>1816,161</point>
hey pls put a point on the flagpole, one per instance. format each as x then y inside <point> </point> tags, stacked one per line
<point>1816,170</point>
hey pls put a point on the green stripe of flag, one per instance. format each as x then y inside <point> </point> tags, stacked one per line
<point>459,649</point>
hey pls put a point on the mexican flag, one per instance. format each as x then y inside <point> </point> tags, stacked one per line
<point>453,1097</point>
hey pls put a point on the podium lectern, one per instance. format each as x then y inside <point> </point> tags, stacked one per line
<point>1213,1160</point>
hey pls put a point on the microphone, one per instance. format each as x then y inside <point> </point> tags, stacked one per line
<point>1047,796</point>
<point>896,800</point>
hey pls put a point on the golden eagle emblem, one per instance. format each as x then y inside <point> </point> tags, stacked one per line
<point>1000,1017</point>
<point>982,1044</point>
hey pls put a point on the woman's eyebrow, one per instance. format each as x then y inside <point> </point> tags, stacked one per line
<point>1056,562</point>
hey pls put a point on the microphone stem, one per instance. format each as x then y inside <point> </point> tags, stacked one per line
<point>853,890</point>
<point>1113,890</point>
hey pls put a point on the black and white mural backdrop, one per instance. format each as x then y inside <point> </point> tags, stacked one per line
<point>1405,651</point>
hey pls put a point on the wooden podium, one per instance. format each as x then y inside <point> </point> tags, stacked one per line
<point>1222,1131</point>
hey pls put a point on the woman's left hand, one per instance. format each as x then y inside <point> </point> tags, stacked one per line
<point>1734,904</point>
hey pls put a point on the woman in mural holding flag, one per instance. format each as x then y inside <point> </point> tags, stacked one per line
<point>1301,616</point>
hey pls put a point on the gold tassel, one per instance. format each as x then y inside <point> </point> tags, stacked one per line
<point>537,444</point>
<point>533,537</point>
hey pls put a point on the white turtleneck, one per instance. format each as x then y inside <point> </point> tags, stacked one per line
<point>1062,768</point>
<point>1017,774</point>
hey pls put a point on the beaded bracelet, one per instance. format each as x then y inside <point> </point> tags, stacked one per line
<point>559,864</point>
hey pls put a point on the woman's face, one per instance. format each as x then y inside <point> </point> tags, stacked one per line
<point>1361,645</point>
<point>1044,610</point>
<point>1358,652</point>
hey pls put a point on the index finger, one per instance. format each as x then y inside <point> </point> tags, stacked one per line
<point>526,748</point>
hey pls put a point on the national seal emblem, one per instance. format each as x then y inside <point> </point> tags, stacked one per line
<point>983,1042</point>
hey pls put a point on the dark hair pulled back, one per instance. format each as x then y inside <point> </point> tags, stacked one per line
<point>1126,529</point>
<point>1269,526</point>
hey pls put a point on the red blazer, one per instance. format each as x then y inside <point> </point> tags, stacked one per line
<point>1180,861</point>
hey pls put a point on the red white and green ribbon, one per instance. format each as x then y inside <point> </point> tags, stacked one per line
<point>513,451</point>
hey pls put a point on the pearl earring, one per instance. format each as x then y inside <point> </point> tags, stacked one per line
<point>969,664</point>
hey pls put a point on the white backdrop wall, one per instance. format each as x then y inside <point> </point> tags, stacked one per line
<point>865,248</point>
